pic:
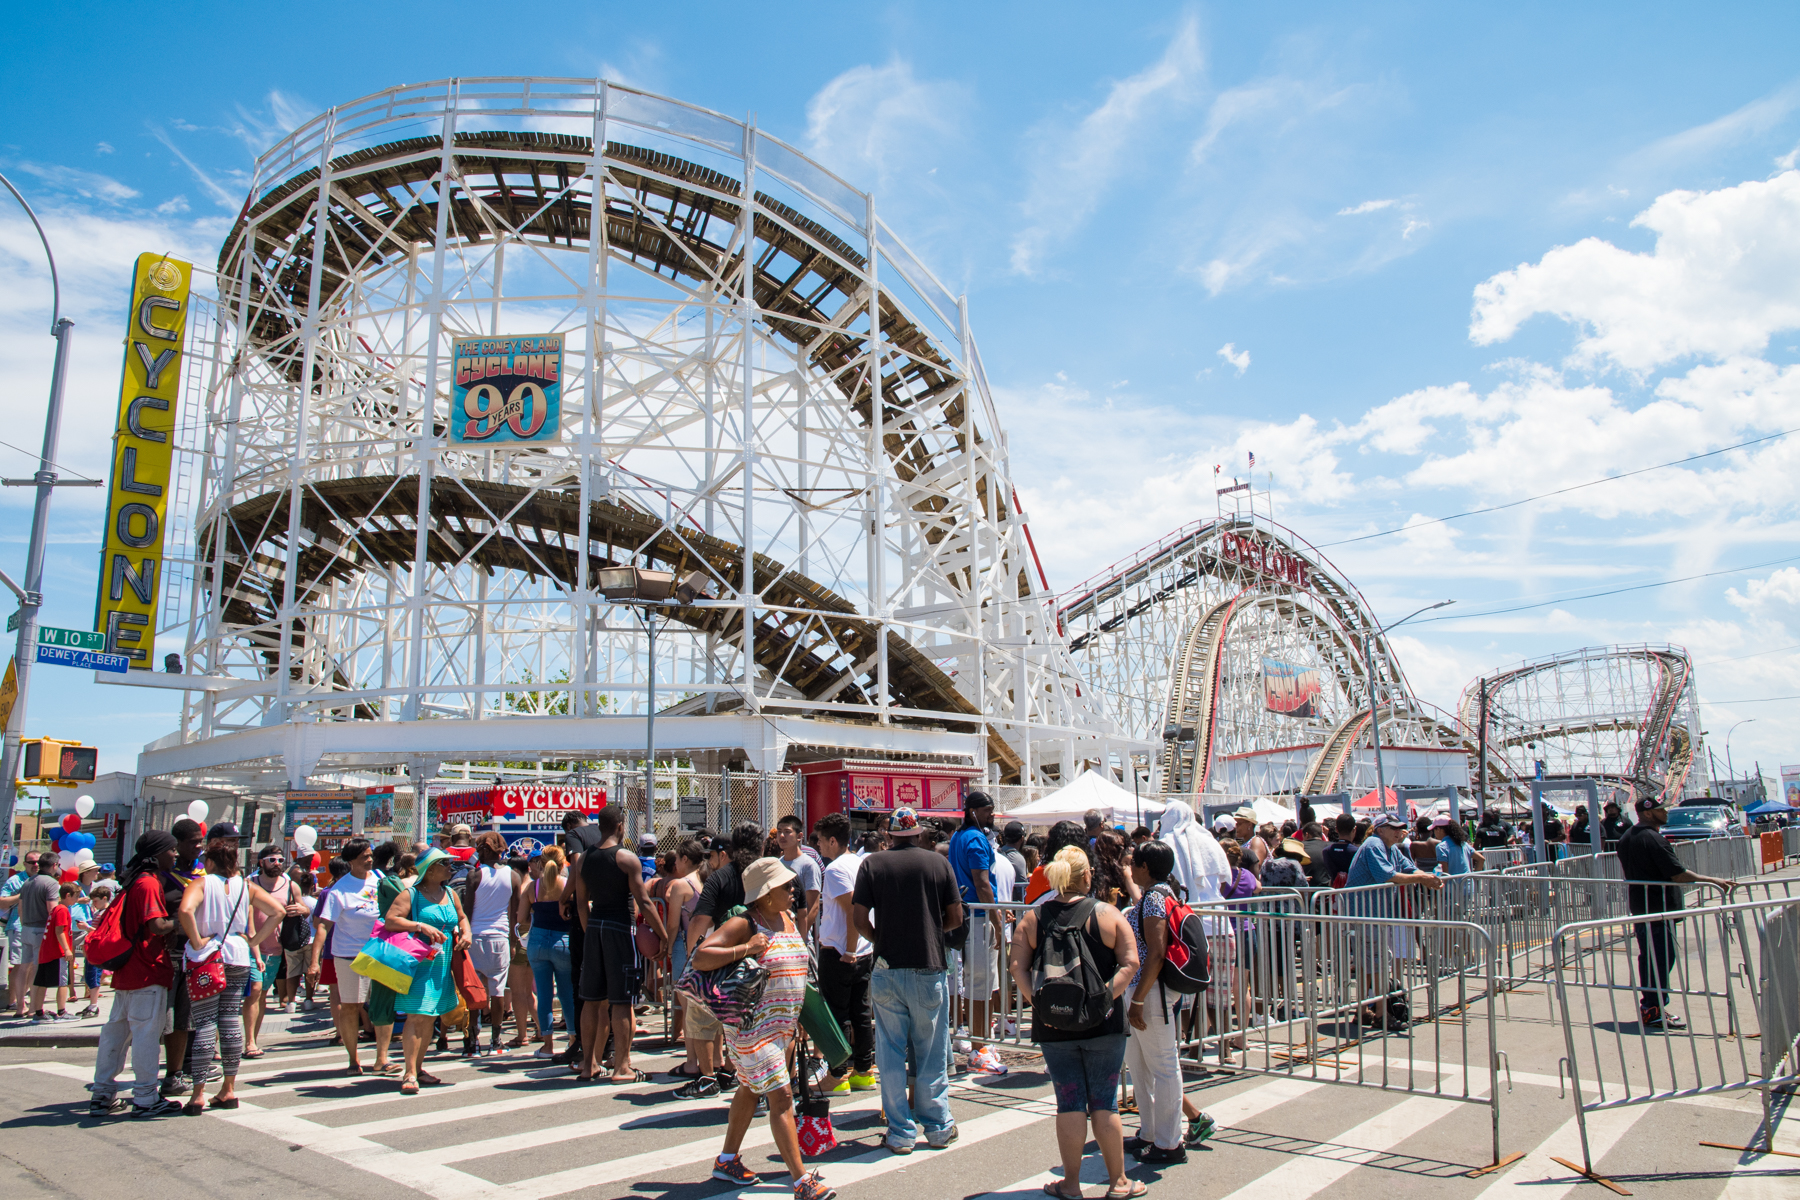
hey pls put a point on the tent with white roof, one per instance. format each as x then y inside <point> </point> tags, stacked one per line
<point>1089,790</point>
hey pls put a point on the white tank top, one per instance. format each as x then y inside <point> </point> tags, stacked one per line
<point>493,899</point>
<point>217,902</point>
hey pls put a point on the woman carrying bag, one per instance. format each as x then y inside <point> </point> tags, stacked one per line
<point>430,911</point>
<point>215,916</point>
<point>765,932</point>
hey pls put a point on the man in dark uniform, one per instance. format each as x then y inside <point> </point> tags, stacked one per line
<point>1612,826</point>
<point>1653,872</point>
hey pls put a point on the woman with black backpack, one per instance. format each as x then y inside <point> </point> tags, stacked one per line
<point>1072,962</point>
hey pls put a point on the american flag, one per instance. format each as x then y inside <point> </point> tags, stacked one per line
<point>1253,458</point>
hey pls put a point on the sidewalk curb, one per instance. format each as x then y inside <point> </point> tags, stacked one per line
<point>74,1039</point>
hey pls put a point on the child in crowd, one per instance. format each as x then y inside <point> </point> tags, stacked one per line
<point>86,915</point>
<point>54,959</point>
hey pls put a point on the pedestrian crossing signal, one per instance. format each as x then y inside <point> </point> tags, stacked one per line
<point>59,764</point>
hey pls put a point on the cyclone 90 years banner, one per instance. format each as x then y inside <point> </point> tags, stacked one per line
<point>506,389</point>
<point>1290,689</point>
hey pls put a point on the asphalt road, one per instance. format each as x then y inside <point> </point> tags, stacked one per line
<point>509,1126</point>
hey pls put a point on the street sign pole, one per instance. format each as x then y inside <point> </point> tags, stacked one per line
<point>31,596</point>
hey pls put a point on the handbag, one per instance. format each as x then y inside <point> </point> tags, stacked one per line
<point>206,978</point>
<point>730,993</point>
<point>822,1028</point>
<point>812,1113</point>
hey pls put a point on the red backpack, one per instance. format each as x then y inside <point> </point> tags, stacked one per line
<point>108,945</point>
<point>1187,966</point>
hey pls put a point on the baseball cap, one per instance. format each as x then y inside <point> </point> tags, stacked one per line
<point>646,843</point>
<point>904,823</point>
<point>1014,830</point>
<point>1440,822</point>
<point>1387,821</point>
<point>223,830</point>
<point>1649,802</point>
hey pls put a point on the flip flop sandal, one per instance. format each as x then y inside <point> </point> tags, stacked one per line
<point>409,1088</point>
<point>637,1076</point>
<point>193,1108</point>
<point>430,1080</point>
<point>678,1073</point>
<point>1054,1188</point>
<point>1136,1189</point>
<point>254,1054</point>
<point>389,1069</point>
<point>215,1102</point>
<point>353,1069</point>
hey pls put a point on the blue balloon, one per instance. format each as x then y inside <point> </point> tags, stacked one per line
<point>88,841</point>
<point>56,837</point>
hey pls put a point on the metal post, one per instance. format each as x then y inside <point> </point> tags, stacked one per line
<point>650,726</point>
<point>1481,758</point>
<point>1374,719</point>
<point>26,646</point>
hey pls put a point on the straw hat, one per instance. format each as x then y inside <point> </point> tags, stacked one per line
<point>1296,847</point>
<point>1245,814</point>
<point>763,876</point>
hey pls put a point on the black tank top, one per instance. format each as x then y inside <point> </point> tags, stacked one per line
<point>608,888</point>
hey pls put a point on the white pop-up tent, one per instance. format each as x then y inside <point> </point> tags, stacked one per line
<point>1090,790</point>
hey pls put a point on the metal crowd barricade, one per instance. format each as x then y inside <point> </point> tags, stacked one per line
<point>1365,999</point>
<point>1724,857</point>
<point>1731,970</point>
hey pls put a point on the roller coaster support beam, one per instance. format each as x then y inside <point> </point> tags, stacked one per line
<point>1481,761</point>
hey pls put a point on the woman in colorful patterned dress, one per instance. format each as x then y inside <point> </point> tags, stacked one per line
<point>766,933</point>
<point>431,912</point>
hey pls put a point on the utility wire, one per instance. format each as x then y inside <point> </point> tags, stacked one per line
<point>58,466</point>
<point>1756,700</point>
<point>1740,657</point>
<point>1574,487</point>
<point>1639,587</point>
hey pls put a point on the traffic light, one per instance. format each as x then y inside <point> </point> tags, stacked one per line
<point>59,764</point>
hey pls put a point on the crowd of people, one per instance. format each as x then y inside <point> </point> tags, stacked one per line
<point>905,932</point>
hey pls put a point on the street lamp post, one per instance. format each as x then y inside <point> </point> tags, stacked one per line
<point>647,591</point>
<point>31,596</point>
<point>1369,636</point>
<point>1737,795</point>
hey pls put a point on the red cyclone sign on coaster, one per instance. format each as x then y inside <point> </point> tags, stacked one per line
<point>1266,557</point>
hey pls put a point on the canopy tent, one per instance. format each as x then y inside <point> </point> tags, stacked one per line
<point>1090,790</point>
<point>1773,808</point>
<point>1370,801</point>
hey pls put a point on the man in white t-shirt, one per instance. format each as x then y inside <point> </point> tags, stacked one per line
<point>491,896</point>
<point>845,960</point>
<point>345,919</point>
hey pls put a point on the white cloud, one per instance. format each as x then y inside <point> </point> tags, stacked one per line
<point>1077,167</point>
<point>1367,206</point>
<point>85,184</point>
<point>884,127</point>
<point>1757,117</point>
<point>219,193</point>
<point>103,148</point>
<point>172,206</point>
<point>1237,358</point>
<point>1724,276</point>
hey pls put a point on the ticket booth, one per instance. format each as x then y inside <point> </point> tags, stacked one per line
<point>868,789</point>
<point>528,816</point>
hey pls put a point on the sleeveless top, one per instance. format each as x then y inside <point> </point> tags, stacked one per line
<point>493,900</point>
<point>1104,958</point>
<point>546,914</point>
<point>215,916</point>
<point>608,887</point>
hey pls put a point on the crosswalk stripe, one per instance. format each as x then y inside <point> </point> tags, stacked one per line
<point>1535,1172</point>
<point>1311,1174</point>
<point>1226,1112</point>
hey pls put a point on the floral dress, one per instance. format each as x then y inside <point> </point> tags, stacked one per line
<point>761,1044</point>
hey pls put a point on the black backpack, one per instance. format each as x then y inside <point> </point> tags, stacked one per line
<point>1067,987</point>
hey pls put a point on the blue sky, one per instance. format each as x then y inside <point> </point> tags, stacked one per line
<point>1419,259</point>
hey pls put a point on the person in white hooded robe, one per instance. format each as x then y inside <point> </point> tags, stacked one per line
<point>1202,868</point>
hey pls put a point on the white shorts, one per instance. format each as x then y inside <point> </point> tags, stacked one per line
<point>980,975</point>
<point>350,987</point>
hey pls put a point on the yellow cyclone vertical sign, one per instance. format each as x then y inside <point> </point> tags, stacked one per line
<point>131,556</point>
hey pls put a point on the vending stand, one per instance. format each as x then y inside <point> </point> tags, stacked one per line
<point>528,816</point>
<point>867,790</point>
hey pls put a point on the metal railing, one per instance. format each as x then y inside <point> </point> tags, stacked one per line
<point>1730,972</point>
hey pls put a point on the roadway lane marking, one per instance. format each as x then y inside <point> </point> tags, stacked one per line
<point>1544,1179</point>
<point>1331,1161</point>
<point>1227,1112</point>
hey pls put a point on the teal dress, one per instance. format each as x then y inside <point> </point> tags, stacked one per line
<point>432,993</point>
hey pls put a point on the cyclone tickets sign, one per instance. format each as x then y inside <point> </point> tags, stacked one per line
<point>538,803</point>
<point>1265,558</point>
<point>506,389</point>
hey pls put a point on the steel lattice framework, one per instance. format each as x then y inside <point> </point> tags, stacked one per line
<point>1629,714</point>
<point>1177,639</point>
<point>762,384</point>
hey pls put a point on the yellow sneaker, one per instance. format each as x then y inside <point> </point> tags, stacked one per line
<point>843,1086</point>
<point>862,1083</point>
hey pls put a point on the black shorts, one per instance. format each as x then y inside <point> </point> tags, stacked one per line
<point>54,973</point>
<point>609,964</point>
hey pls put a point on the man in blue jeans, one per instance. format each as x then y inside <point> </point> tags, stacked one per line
<point>911,893</point>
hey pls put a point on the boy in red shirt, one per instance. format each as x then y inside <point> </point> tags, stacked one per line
<point>54,958</point>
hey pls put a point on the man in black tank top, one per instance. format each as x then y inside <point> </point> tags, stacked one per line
<point>608,880</point>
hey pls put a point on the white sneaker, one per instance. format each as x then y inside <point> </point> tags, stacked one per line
<point>306,1006</point>
<point>962,1045</point>
<point>287,1006</point>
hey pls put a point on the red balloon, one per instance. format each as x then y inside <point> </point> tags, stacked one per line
<point>72,823</point>
<point>202,825</point>
<point>69,877</point>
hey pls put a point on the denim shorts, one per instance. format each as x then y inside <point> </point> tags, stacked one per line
<point>1085,1073</point>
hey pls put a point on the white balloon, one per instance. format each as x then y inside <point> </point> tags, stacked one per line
<point>197,810</point>
<point>67,860</point>
<point>84,805</point>
<point>305,836</point>
<point>84,856</point>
